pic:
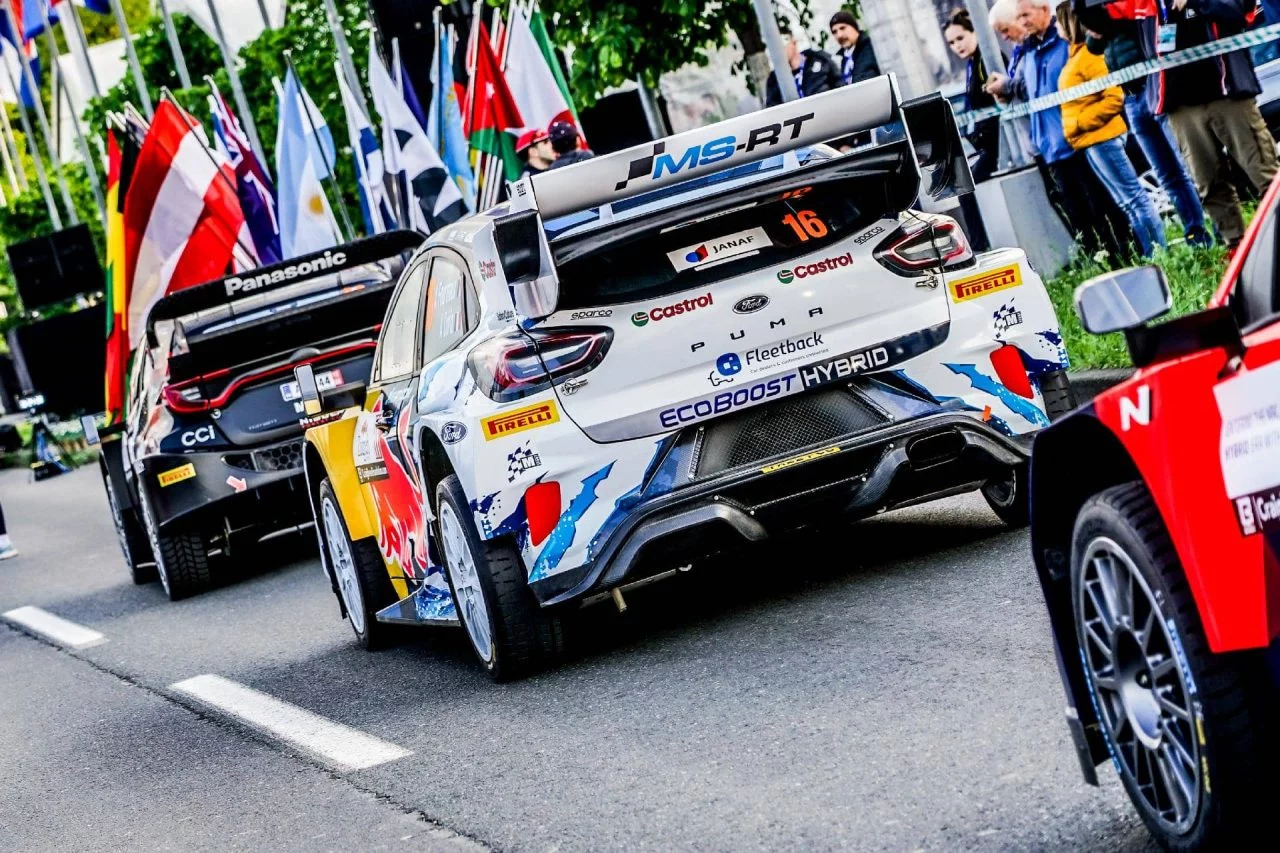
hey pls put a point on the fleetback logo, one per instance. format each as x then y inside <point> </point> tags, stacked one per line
<point>658,162</point>
<point>642,318</point>
<point>729,364</point>
<point>762,355</point>
<point>816,268</point>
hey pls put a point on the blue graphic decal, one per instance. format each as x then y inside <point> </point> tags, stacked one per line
<point>433,602</point>
<point>661,481</point>
<point>957,404</point>
<point>1055,340</point>
<point>562,535</point>
<point>1018,405</point>
<point>484,504</point>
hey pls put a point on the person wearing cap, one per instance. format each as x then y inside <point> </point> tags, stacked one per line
<point>564,141</point>
<point>535,147</point>
<point>814,70</point>
<point>856,57</point>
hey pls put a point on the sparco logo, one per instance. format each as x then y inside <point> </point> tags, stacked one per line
<point>659,162</point>
<point>330,260</point>
<point>817,268</point>
<point>642,318</point>
<point>874,232</point>
<point>595,314</point>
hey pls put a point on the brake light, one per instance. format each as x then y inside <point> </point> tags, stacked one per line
<point>514,366</point>
<point>186,398</point>
<point>1010,370</point>
<point>924,244</point>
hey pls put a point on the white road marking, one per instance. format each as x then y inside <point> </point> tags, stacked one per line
<point>54,628</point>
<point>340,746</point>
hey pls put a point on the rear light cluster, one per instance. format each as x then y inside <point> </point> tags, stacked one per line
<point>924,244</point>
<point>514,366</point>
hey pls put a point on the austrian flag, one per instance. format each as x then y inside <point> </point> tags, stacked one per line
<point>183,224</point>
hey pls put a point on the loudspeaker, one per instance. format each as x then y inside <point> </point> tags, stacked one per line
<point>65,358</point>
<point>56,267</point>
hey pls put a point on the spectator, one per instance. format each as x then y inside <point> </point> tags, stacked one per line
<point>1085,205</point>
<point>856,57</point>
<point>6,547</point>
<point>1003,18</point>
<point>564,142</point>
<point>985,136</point>
<point>1130,30</point>
<point>1094,124</point>
<point>814,70</point>
<point>535,147</point>
<point>1212,105</point>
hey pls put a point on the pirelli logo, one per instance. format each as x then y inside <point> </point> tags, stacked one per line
<point>176,475</point>
<point>800,460</point>
<point>989,282</point>
<point>530,417</point>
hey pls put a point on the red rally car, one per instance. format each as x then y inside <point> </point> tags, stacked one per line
<point>1156,537</point>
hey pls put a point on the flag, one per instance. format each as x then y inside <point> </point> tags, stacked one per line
<point>444,123</point>
<point>306,220</point>
<point>29,12</point>
<point>493,114</point>
<point>182,220</point>
<point>375,200</point>
<point>538,26</point>
<point>253,184</point>
<point>405,86</point>
<point>431,198</point>
<point>533,85</point>
<point>116,292</point>
<point>10,44</point>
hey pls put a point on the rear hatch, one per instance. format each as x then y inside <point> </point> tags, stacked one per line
<point>235,363</point>
<point>763,298</point>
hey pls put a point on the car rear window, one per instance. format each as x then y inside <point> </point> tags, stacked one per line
<point>693,254</point>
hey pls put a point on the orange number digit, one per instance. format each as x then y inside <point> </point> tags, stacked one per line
<point>806,224</point>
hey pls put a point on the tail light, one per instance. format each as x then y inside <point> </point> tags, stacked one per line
<point>925,244</point>
<point>1011,371</point>
<point>187,398</point>
<point>514,366</point>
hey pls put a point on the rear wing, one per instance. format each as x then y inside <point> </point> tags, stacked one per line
<point>929,132</point>
<point>225,291</point>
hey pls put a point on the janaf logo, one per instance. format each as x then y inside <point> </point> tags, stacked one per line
<point>658,163</point>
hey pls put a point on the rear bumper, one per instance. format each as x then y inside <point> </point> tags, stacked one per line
<point>851,476</point>
<point>262,486</point>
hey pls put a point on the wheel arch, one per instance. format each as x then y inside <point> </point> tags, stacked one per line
<point>1071,461</point>
<point>328,453</point>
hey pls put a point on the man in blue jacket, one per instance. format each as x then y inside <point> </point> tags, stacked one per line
<point>1087,207</point>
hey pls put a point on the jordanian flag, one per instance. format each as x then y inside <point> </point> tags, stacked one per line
<point>493,115</point>
<point>116,289</point>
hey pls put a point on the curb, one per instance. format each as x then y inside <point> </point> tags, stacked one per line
<point>1088,384</point>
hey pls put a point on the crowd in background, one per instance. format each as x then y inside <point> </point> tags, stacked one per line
<point>1197,125</point>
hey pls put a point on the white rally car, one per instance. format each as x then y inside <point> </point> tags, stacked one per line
<point>673,350</point>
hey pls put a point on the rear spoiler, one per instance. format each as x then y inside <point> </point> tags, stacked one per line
<point>931,130</point>
<point>224,291</point>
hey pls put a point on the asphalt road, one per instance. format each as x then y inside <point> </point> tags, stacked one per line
<point>890,686</point>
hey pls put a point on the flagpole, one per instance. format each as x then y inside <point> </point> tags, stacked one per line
<point>30,78</point>
<point>32,147</point>
<point>329,167</point>
<point>73,32</point>
<point>175,47</point>
<point>90,167</point>
<point>12,153</point>
<point>353,134</point>
<point>344,55</point>
<point>237,91</point>
<point>266,20</point>
<point>139,81</point>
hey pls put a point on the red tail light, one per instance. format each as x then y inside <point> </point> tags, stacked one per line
<point>923,245</point>
<point>514,366</point>
<point>1012,373</point>
<point>542,507</point>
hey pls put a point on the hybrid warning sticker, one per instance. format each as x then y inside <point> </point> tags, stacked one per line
<point>988,282</point>
<point>176,475</point>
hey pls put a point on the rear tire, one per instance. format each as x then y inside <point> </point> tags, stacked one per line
<point>1010,498</point>
<point>359,574</point>
<point>1190,730</point>
<point>509,632</point>
<point>1059,399</point>
<point>130,533</point>
<point>182,558</point>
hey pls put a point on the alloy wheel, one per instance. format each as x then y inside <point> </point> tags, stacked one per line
<point>344,565</point>
<point>466,582</point>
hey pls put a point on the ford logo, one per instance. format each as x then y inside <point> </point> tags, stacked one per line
<point>453,432</point>
<point>751,304</point>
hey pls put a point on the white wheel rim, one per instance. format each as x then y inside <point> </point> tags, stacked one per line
<point>344,566</point>
<point>461,565</point>
<point>155,544</point>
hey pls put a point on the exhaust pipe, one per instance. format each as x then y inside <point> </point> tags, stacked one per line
<point>937,449</point>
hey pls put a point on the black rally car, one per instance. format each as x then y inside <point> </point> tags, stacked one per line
<point>209,458</point>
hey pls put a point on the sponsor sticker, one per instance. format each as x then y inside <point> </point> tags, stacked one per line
<point>199,435</point>
<point>762,358</point>
<point>727,401</point>
<point>986,283</point>
<point>371,472</point>
<point>488,269</point>
<point>816,268</point>
<point>453,432</point>
<point>320,419</point>
<point>751,304</point>
<point>801,459</point>
<point>1006,317</point>
<point>675,309</point>
<point>867,236</point>
<point>244,284</point>
<point>176,475</point>
<point>594,314</point>
<point>723,248</point>
<point>1249,447</point>
<point>522,460</point>
<point>510,423</point>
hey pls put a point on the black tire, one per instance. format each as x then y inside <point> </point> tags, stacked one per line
<point>130,533</point>
<point>1059,399</point>
<point>524,638</point>
<point>182,558</point>
<point>1010,497</point>
<point>371,590</point>
<point>1226,697</point>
